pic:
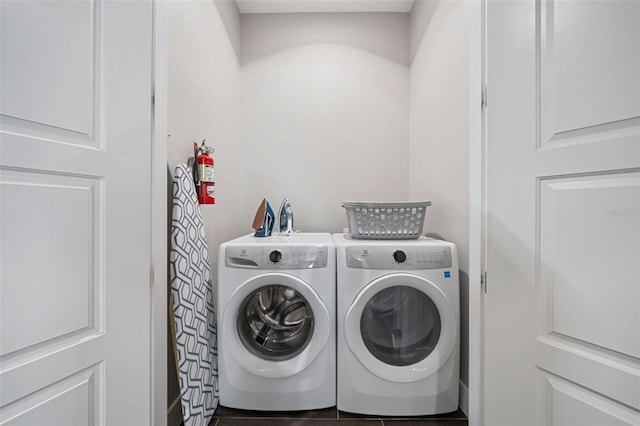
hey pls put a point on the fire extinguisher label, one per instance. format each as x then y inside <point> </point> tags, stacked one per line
<point>206,193</point>
<point>207,173</point>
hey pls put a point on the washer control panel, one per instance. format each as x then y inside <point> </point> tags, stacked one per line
<point>401,258</point>
<point>274,258</point>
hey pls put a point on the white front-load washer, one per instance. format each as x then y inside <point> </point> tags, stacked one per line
<point>276,322</point>
<point>398,326</point>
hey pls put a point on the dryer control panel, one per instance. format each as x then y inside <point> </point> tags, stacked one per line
<point>398,258</point>
<point>274,258</point>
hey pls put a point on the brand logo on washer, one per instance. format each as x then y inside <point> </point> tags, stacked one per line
<point>365,252</point>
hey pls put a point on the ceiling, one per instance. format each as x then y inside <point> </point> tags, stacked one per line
<point>337,6</point>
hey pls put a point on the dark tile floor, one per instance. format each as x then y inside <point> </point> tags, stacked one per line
<point>327,417</point>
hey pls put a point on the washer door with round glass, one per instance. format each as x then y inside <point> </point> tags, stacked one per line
<point>401,327</point>
<point>279,323</point>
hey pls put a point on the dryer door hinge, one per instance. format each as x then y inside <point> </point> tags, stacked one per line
<point>483,282</point>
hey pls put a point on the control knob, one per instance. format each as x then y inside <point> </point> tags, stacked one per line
<point>275,256</point>
<point>399,256</point>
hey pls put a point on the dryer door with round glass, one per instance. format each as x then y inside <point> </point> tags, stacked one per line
<point>281,325</point>
<point>401,327</point>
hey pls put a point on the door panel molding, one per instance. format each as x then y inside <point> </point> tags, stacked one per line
<point>564,402</point>
<point>60,298</point>
<point>602,112</point>
<point>578,272</point>
<point>36,83</point>
<point>82,389</point>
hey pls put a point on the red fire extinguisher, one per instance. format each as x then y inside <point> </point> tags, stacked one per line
<point>205,181</point>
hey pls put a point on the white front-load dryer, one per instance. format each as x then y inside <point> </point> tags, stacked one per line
<point>398,326</point>
<point>276,322</point>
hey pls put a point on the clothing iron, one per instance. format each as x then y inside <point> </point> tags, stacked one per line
<point>264,220</point>
<point>285,217</point>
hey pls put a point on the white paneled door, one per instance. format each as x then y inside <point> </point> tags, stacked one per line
<point>562,324</point>
<point>75,117</point>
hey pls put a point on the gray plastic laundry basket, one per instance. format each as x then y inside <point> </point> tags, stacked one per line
<point>386,220</point>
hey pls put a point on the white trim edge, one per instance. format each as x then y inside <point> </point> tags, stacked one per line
<point>463,400</point>
<point>473,404</point>
<point>158,160</point>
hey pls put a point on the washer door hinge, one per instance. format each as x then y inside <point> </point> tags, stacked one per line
<point>483,282</point>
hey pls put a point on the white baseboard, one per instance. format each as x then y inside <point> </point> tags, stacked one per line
<point>464,398</point>
<point>174,413</point>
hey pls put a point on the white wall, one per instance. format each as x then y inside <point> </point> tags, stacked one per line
<point>325,113</point>
<point>439,141</point>
<point>321,121</point>
<point>383,34</point>
<point>230,16</point>
<point>204,103</point>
